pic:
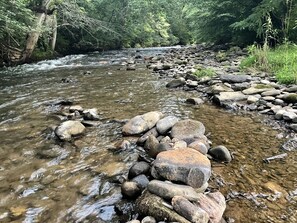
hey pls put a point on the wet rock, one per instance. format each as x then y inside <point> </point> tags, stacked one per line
<point>279,102</point>
<point>149,219</point>
<point>91,114</point>
<point>188,210</point>
<point>151,145</point>
<point>241,86</point>
<point>176,83</point>
<point>50,153</point>
<point>143,138</point>
<point>151,205</point>
<point>293,127</point>
<point>235,78</point>
<point>17,212</point>
<point>165,124</point>
<point>194,101</point>
<point>130,189</point>
<point>224,97</point>
<point>75,108</point>
<point>220,153</point>
<point>142,181</point>
<point>214,204</point>
<point>122,145</point>
<point>183,165</point>
<point>290,145</point>
<point>191,77</point>
<point>90,123</point>
<point>160,148</point>
<point>192,83</point>
<point>168,190</point>
<point>131,67</point>
<point>279,114</point>
<point>187,129</point>
<point>68,129</point>
<point>138,169</point>
<point>141,123</point>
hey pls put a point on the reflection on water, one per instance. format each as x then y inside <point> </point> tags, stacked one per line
<point>44,181</point>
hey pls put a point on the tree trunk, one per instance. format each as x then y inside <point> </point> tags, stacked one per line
<point>34,35</point>
<point>54,37</point>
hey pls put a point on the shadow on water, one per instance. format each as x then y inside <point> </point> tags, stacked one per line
<point>45,181</point>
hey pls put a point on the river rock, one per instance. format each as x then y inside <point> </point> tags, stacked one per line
<point>271,93</point>
<point>252,99</point>
<point>235,78</point>
<point>220,153</point>
<point>138,168</point>
<point>141,123</point>
<point>143,138</point>
<point>176,83</point>
<point>188,210</point>
<point>187,129</point>
<point>76,108</point>
<point>133,221</point>
<point>165,124</point>
<point>214,204</point>
<point>149,219</point>
<point>268,98</point>
<point>255,90</point>
<point>241,86</point>
<point>179,144</point>
<point>289,98</point>
<point>224,97</point>
<point>192,83</point>
<point>68,129</point>
<point>168,190</point>
<point>130,189</point>
<point>290,116</point>
<point>184,165</point>
<point>291,89</point>
<point>199,146</point>
<point>290,145</point>
<point>91,114</point>
<point>151,205</point>
<point>142,181</point>
<point>218,88</point>
<point>194,101</point>
<point>151,145</point>
<point>279,114</point>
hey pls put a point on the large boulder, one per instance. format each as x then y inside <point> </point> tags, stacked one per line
<point>187,129</point>
<point>176,83</point>
<point>166,124</point>
<point>68,129</point>
<point>141,123</point>
<point>168,190</point>
<point>226,97</point>
<point>151,205</point>
<point>183,165</point>
<point>235,78</point>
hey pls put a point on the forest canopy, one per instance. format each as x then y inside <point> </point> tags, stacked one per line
<point>43,27</point>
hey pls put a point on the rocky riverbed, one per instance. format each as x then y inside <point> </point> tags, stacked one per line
<point>72,160</point>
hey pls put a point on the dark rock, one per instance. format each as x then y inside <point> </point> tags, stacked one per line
<point>68,129</point>
<point>194,101</point>
<point>191,77</point>
<point>142,181</point>
<point>151,145</point>
<point>143,138</point>
<point>168,190</point>
<point>183,165</point>
<point>151,205</point>
<point>241,86</point>
<point>188,210</point>
<point>138,169</point>
<point>130,189</point>
<point>235,78</point>
<point>75,108</point>
<point>165,124</point>
<point>187,129</point>
<point>91,114</point>
<point>289,98</point>
<point>220,153</point>
<point>176,83</point>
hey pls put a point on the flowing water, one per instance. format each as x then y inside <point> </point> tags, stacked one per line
<point>42,180</point>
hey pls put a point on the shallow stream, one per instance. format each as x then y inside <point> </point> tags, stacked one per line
<point>45,181</point>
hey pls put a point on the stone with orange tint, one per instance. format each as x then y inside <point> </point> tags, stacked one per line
<point>183,165</point>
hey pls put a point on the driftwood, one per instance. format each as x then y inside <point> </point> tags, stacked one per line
<point>281,156</point>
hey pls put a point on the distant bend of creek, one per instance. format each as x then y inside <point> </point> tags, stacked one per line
<point>74,183</point>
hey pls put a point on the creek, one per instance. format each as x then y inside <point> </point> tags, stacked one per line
<point>74,182</point>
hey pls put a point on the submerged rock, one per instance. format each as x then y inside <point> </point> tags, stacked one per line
<point>183,165</point>
<point>141,123</point>
<point>224,97</point>
<point>220,153</point>
<point>68,129</point>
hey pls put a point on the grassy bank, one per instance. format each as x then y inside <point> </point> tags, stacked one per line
<point>280,61</point>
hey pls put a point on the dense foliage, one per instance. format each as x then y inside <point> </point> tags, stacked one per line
<point>85,25</point>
